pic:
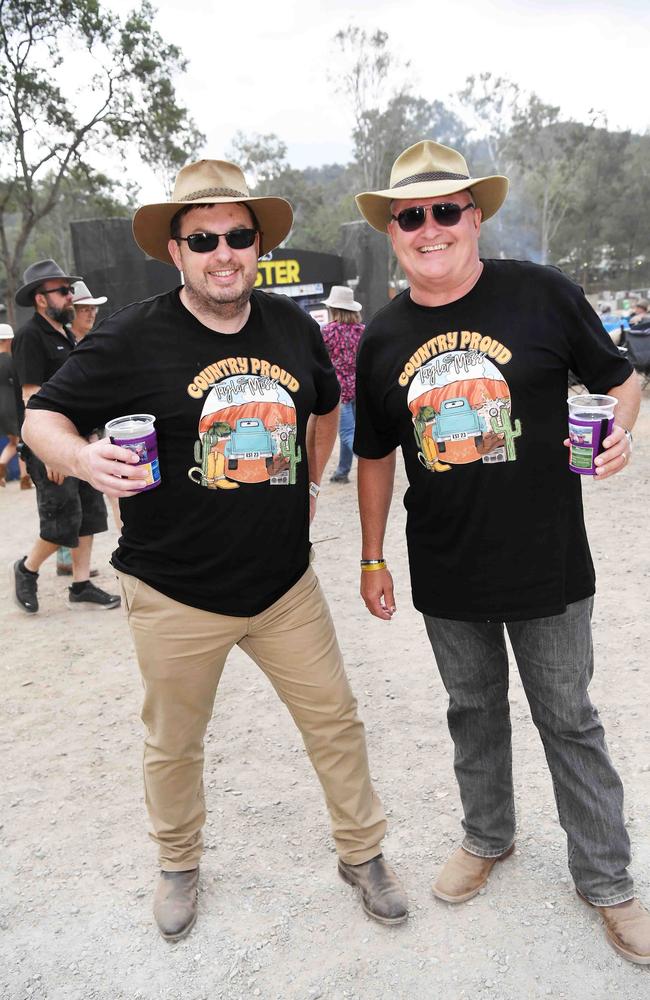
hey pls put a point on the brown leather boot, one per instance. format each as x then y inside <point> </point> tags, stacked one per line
<point>175,903</point>
<point>464,875</point>
<point>382,896</point>
<point>627,926</point>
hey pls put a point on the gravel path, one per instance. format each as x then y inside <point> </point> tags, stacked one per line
<point>275,920</point>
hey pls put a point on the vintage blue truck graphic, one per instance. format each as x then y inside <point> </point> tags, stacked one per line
<point>249,440</point>
<point>456,421</point>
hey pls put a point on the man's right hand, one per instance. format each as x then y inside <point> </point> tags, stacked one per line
<point>377,593</point>
<point>111,469</point>
<point>54,476</point>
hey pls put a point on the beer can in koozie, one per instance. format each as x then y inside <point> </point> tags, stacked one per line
<point>137,433</point>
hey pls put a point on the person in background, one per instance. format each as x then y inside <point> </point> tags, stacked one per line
<point>8,415</point>
<point>85,314</point>
<point>85,310</point>
<point>70,511</point>
<point>640,317</point>
<point>342,335</point>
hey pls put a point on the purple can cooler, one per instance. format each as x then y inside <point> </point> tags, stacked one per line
<point>137,433</point>
<point>591,419</point>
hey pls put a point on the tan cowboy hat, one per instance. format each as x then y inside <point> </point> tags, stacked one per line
<point>340,297</point>
<point>82,297</point>
<point>428,170</point>
<point>210,182</point>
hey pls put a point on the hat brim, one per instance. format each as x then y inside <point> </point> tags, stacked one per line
<point>348,307</point>
<point>489,195</point>
<point>23,296</point>
<point>90,302</point>
<point>151,223</point>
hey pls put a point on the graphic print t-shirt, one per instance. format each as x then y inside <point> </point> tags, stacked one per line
<point>228,528</point>
<point>475,394</point>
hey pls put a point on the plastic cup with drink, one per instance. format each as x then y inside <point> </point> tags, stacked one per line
<point>591,419</point>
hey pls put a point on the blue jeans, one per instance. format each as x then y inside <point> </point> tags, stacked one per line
<point>555,660</point>
<point>346,437</point>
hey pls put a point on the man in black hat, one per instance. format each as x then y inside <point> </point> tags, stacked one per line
<point>70,510</point>
<point>466,371</point>
<point>245,401</point>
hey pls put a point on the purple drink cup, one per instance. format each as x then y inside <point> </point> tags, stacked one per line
<point>591,419</point>
<point>137,433</point>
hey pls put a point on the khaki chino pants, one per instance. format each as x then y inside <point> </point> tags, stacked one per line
<point>182,651</point>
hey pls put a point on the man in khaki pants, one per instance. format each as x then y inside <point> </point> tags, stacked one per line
<point>217,554</point>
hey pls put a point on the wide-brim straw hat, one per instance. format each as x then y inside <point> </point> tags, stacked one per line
<point>36,274</point>
<point>429,170</point>
<point>82,296</point>
<point>340,297</point>
<point>210,182</point>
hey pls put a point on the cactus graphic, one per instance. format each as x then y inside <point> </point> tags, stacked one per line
<point>293,456</point>
<point>420,421</point>
<point>502,425</point>
<point>202,449</point>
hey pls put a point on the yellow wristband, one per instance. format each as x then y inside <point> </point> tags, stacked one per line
<point>371,567</point>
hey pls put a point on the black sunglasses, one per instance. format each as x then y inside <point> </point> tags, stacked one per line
<point>237,239</point>
<point>445,213</point>
<point>62,290</point>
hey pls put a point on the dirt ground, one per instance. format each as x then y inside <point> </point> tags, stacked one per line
<point>275,921</point>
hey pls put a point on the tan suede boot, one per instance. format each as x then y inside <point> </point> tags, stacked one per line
<point>175,903</point>
<point>464,875</point>
<point>382,896</point>
<point>627,926</point>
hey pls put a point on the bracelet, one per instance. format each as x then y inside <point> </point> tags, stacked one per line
<point>370,565</point>
<point>314,489</point>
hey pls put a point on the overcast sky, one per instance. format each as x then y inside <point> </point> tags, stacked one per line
<point>263,66</point>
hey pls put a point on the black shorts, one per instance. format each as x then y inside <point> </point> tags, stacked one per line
<point>69,511</point>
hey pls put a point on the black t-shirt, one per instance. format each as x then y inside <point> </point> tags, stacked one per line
<point>38,352</point>
<point>495,533</point>
<point>228,528</point>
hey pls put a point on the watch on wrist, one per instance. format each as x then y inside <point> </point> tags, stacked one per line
<point>314,489</point>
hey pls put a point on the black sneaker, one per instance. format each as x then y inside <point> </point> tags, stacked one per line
<point>93,597</point>
<point>339,477</point>
<point>26,587</point>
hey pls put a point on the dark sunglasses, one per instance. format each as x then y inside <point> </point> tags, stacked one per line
<point>62,290</point>
<point>237,239</point>
<point>445,213</point>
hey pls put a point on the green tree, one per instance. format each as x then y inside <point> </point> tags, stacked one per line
<point>48,129</point>
<point>585,243</point>
<point>627,219</point>
<point>549,155</point>
<point>83,194</point>
<point>364,72</point>
<point>261,157</point>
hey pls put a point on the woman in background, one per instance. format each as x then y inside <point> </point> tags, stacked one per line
<point>342,335</point>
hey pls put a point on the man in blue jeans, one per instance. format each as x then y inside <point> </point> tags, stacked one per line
<point>466,371</point>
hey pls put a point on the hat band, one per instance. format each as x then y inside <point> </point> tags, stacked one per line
<point>434,175</point>
<point>214,192</point>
